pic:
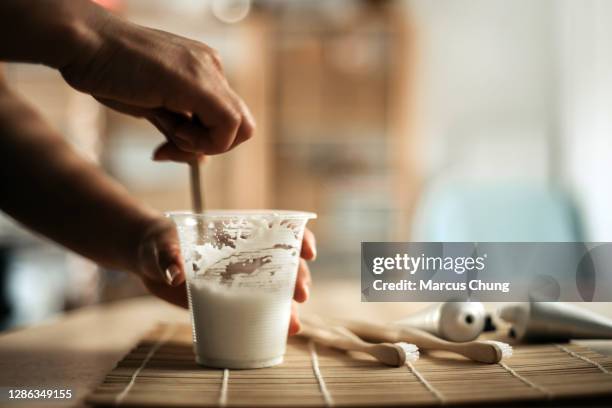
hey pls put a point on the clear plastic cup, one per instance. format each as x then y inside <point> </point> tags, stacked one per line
<point>241,268</point>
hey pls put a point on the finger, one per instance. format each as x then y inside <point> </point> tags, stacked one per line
<point>294,322</point>
<point>247,123</point>
<point>167,123</point>
<point>212,103</point>
<point>170,263</point>
<point>131,110</point>
<point>168,151</point>
<point>175,295</point>
<point>161,256</point>
<point>202,138</point>
<point>186,132</point>
<point>302,283</point>
<point>309,246</point>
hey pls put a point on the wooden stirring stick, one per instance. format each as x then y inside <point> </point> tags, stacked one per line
<point>197,198</point>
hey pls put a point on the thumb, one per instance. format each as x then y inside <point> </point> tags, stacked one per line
<point>169,262</point>
<point>160,255</point>
<point>168,151</point>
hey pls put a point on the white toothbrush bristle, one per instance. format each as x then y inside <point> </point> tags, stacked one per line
<point>505,349</point>
<point>410,350</point>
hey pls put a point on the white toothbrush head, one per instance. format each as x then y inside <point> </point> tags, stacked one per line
<point>410,351</point>
<point>503,350</point>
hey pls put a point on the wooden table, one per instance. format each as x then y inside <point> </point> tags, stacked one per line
<point>77,349</point>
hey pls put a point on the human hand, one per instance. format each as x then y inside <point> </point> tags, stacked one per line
<point>163,275</point>
<point>176,83</point>
<point>303,282</point>
<point>160,264</point>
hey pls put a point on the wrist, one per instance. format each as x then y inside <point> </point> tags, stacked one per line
<point>74,33</point>
<point>51,32</point>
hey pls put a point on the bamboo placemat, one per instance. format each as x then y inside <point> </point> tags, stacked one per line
<point>161,371</point>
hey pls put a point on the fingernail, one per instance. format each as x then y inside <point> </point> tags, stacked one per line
<point>172,272</point>
<point>306,292</point>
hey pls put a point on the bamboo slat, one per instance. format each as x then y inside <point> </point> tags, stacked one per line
<point>160,371</point>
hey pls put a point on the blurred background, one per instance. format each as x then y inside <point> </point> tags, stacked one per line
<point>453,120</point>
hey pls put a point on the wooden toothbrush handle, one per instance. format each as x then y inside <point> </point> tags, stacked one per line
<point>341,338</point>
<point>331,338</point>
<point>316,321</point>
<point>391,334</point>
<point>473,350</point>
<point>425,340</point>
<point>371,331</point>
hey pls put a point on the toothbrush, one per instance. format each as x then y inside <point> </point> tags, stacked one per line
<point>394,355</point>
<point>453,321</point>
<point>483,351</point>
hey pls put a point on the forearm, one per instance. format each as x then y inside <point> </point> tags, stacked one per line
<point>46,186</point>
<point>49,32</point>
